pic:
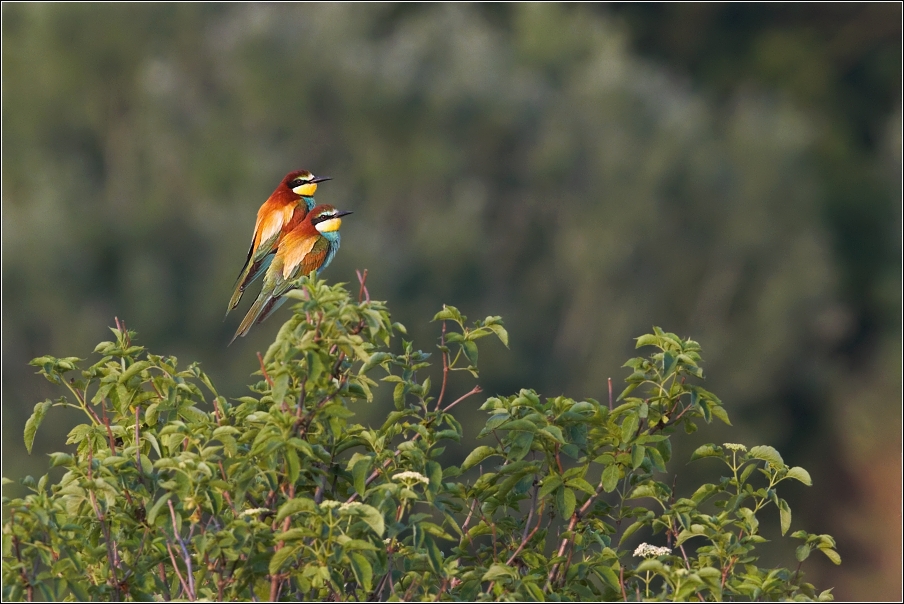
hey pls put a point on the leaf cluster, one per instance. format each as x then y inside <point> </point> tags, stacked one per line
<point>172,490</point>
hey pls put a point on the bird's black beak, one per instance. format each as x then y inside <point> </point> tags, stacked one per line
<point>344,213</point>
<point>320,179</point>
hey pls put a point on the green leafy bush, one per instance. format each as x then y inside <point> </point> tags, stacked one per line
<point>172,491</point>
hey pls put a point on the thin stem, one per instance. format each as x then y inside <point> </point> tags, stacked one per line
<point>621,582</point>
<point>176,568</point>
<point>186,557</point>
<point>473,391</point>
<point>264,369</point>
<point>362,292</point>
<point>575,517</point>
<point>442,343</point>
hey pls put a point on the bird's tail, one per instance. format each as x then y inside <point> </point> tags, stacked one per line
<point>269,307</point>
<point>256,309</point>
<point>252,271</point>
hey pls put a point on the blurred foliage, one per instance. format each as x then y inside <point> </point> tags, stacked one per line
<point>280,497</point>
<point>740,184</point>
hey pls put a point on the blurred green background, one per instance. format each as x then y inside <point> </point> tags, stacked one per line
<point>731,173</point>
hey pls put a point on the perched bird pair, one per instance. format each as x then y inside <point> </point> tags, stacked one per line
<point>292,237</point>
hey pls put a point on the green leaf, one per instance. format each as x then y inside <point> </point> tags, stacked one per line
<point>280,558</point>
<point>359,474</point>
<point>293,506</point>
<point>647,340</point>
<point>470,350</point>
<point>155,509</point>
<point>434,556</point>
<point>293,464</point>
<point>720,413</point>
<point>800,474</point>
<point>435,530</point>
<point>649,565</point>
<point>630,531</point>
<point>31,425</point>
<point>785,515</point>
<point>656,458</point>
<point>610,477</point>
<point>478,455</point>
<point>629,427</point>
<point>398,395</point>
<point>372,517</point>
<point>637,456</point>
<point>449,313</point>
<point>550,484</point>
<point>669,361</point>
<point>802,552</point>
<point>644,490</point>
<point>499,571</point>
<point>374,360</point>
<point>553,432</point>
<point>364,573</point>
<point>60,459</point>
<point>501,333</point>
<point>768,454</point>
<point>831,554</point>
<point>519,424</point>
<point>133,370</point>
<point>608,576</point>
<point>565,502</point>
<point>706,451</point>
<point>581,485</point>
<point>704,492</point>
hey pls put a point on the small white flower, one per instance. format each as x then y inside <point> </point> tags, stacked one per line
<point>405,476</point>
<point>734,447</point>
<point>349,505</point>
<point>646,550</point>
<point>254,511</point>
<point>330,504</point>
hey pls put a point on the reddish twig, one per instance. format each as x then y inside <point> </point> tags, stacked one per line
<point>112,558</point>
<point>442,343</point>
<point>362,279</point>
<point>472,392</point>
<point>621,582</point>
<point>106,420</point>
<point>264,370</point>
<point>575,517</point>
<point>176,568</point>
<point>186,557</point>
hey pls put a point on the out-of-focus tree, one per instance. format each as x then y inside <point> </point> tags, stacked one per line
<point>139,140</point>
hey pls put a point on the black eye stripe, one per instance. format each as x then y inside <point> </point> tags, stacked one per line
<point>322,218</point>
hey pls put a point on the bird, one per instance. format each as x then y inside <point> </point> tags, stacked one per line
<point>310,246</point>
<point>285,208</point>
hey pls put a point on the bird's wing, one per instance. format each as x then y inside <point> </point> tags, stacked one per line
<point>267,229</point>
<point>302,257</point>
<point>266,232</point>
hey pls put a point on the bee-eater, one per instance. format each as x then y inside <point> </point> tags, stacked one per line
<point>286,207</point>
<point>309,246</point>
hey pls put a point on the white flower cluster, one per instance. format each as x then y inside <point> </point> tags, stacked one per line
<point>350,505</point>
<point>330,504</point>
<point>254,511</point>
<point>405,476</point>
<point>734,447</point>
<point>646,550</point>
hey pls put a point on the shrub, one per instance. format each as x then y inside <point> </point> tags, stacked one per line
<point>172,491</point>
